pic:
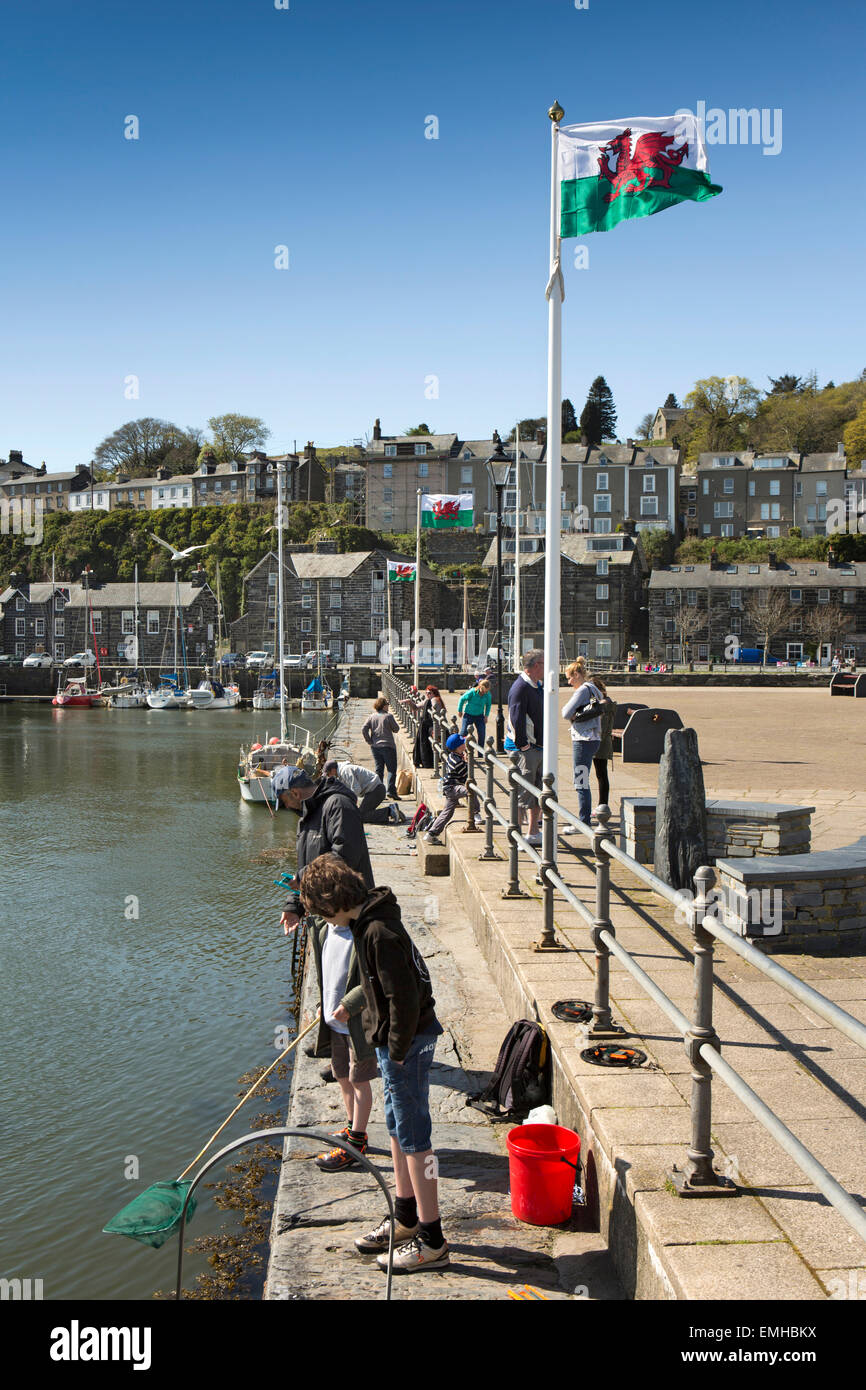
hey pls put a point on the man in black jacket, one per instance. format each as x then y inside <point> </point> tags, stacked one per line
<point>330,824</point>
<point>399,1020</point>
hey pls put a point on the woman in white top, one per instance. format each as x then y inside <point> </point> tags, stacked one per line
<point>585,731</point>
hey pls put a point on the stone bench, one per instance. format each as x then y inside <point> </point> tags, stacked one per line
<point>741,829</point>
<point>803,902</point>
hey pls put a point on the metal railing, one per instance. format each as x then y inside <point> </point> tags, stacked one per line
<point>700,912</point>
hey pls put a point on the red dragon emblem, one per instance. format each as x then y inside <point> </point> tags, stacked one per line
<point>649,165</point>
<point>403,571</point>
<point>443,510</point>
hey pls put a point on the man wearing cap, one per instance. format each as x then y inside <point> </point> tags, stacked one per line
<point>369,788</point>
<point>330,824</point>
<point>453,786</point>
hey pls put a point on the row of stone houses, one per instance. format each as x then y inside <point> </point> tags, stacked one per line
<point>54,618</point>
<point>344,596</point>
<point>708,611</point>
<point>748,494</point>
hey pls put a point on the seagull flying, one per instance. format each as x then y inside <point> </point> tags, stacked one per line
<point>176,555</point>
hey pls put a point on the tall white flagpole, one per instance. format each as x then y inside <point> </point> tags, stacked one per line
<point>417,584</point>
<point>281,468</point>
<point>555,292</point>
<point>390,624</point>
<point>516,652</point>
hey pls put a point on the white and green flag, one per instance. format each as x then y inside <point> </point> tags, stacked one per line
<point>398,572</point>
<point>630,168</point>
<point>441,509</point>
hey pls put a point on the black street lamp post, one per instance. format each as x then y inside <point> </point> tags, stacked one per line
<point>499,469</point>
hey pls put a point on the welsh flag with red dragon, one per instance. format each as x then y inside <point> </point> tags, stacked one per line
<point>630,168</point>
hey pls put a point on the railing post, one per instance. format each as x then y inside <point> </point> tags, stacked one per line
<point>470,828</point>
<point>548,940</point>
<point>437,734</point>
<point>698,1178</point>
<point>602,1025</point>
<point>514,889</point>
<point>489,852</point>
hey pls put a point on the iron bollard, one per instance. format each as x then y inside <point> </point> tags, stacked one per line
<point>548,940</point>
<point>698,1178</point>
<point>513,890</point>
<point>602,1024</point>
<point>489,852</point>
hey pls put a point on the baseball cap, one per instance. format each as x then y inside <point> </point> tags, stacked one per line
<point>291,779</point>
<point>453,742</point>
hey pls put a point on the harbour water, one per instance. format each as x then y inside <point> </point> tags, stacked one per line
<point>143,972</point>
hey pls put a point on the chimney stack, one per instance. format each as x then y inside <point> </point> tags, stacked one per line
<point>377,429</point>
<point>773,560</point>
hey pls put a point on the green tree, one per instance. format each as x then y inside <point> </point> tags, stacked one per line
<point>139,447</point>
<point>419,429</point>
<point>528,428</point>
<point>720,414</point>
<point>598,417</point>
<point>235,435</point>
<point>671,403</point>
<point>569,419</point>
<point>854,438</point>
<point>784,384</point>
<point>645,425</point>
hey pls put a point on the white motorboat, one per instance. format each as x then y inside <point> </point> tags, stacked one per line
<point>212,694</point>
<point>130,696</point>
<point>168,694</point>
<point>265,696</point>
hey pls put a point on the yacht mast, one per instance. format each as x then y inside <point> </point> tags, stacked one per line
<point>281,669</point>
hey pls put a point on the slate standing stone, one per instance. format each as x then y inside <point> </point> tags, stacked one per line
<point>681,811</point>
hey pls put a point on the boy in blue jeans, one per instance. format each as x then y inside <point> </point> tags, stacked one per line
<point>400,1022</point>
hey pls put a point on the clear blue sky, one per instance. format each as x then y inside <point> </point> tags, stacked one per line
<point>409,257</point>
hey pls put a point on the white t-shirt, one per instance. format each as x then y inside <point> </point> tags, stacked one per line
<point>336,952</point>
<point>591,729</point>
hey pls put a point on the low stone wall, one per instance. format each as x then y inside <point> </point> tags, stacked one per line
<point>806,902</point>
<point>740,829</point>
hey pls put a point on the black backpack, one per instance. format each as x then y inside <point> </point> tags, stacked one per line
<point>522,1076</point>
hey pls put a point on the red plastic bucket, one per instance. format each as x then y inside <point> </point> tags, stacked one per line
<point>542,1182</point>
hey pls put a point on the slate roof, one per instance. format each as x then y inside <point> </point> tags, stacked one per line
<point>573,547</point>
<point>157,594</point>
<point>310,566</point>
<point>798,574</point>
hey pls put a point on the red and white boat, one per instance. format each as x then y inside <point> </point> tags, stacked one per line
<point>76,692</point>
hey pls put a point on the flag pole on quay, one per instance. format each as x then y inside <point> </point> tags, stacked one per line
<point>555,294</point>
<point>390,624</point>
<point>417,584</point>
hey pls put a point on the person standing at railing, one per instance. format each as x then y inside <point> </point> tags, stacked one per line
<point>526,734</point>
<point>605,750</point>
<point>474,705</point>
<point>379,731</point>
<point>583,713</point>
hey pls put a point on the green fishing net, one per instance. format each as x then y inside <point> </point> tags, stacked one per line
<point>153,1215</point>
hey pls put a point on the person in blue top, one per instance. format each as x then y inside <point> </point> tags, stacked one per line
<point>474,705</point>
<point>526,733</point>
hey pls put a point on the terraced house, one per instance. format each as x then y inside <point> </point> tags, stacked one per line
<point>742,494</point>
<point>798,609</point>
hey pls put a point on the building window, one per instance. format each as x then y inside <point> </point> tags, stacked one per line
<point>705,486</point>
<point>127,623</point>
<point>217,487</point>
<point>387,494</point>
<point>775,487</point>
<point>601,482</point>
<point>600,525</point>
<point>97,624</point>
<point>336,583</point>
<point>849,595</point>
<point>772,532</point>
<point>670,597</point>
<point>727,485</point>
<point>59,627</point>
<point>823,595</point>
<point>420,450</point>
<point>306,600</point>
<point>423,470</point>
<point>378,580</point>
<point>601,565</point>
<point>152,622</point>
<point>336,601</point>
<point>649,506</point>
<point>670,626</point>
<point>796,595</point>
<point>736,598</point>
<point>602,591</point>
<point>465,476</point>
<point>602,648</point>
<point>19,648</point>
<point>601,502</point>
<point>723,509</point>
<point>692,598</point>
<point>649,482</point>
<point>378,603</point>
<point>601,617</point>
<point>19,604</point>
<point>59,651</point>
<point>335,648</point>
<point>368,648</point>
<point>821,489</point>
<point>736,624</point>
<point>306,625</point>
<point>306,583</point>
<point>390,453</point>
<point>796,624</point>
<point>20,627</point>
<point>335,624</point>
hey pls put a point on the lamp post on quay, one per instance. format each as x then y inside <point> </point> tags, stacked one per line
<point>499,470</point>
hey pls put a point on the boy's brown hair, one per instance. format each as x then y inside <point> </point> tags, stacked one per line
<point>380,704</point>
<point>328,885</point>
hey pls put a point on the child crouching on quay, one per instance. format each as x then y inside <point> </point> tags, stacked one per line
<point>453,786</point>
<point>400,1022</point>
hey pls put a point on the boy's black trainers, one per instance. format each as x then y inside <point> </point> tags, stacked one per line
<point>337,1159</point>
<point>374,1242</point>
<point>415,1256</point>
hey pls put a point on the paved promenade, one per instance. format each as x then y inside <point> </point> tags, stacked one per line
<point>318,1215</point>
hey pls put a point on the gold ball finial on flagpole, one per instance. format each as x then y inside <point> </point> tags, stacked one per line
<point>556,112</point>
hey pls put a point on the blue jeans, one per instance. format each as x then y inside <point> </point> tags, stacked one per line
<point>407,1088</point>
<point>480,724</point>
<point>385,760</point>
<point>583,750</point>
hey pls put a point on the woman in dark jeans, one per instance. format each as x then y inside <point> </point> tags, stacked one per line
<point>605,748</point>
<point>379,731</point>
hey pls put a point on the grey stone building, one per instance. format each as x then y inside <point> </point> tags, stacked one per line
<point>344,594</point>
<point>53,492</point>
<point>55,619</point>
<point>742,494</point>
<point>602,588</point>
<point>703,611</point>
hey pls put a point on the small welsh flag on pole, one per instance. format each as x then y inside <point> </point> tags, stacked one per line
<point>630,168</point>
<point>398,572</point>
<point>442,509</point>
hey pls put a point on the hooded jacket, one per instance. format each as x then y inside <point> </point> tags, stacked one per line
<point>352,1001</point>
<point>331,824</point>
<point>398,997</point>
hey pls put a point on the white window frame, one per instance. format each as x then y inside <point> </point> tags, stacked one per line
<point>649,506</point>
<point>601,525</point>
<point>602,648</point>
<point>602,591</point>
<point>153,622</point>
<point>602,565</point>
<point>390,452</point>
<point>649,482</point>
<point>601,502</point>
<point>736,597</point>
<point>602,617</point>
<point>127,622</point>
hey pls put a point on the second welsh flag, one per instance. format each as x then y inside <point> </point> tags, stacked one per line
<point>398,571</point>
<point>630,168</point>
<point>441,509</point>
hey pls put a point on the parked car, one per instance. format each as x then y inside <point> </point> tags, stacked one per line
<point>7,660</point>
<point>311,659</point>
<point>296,661</point>
<point>81,659</point>
<point>38,659</point>
<point>232,659</point>
<point>256,660</point>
